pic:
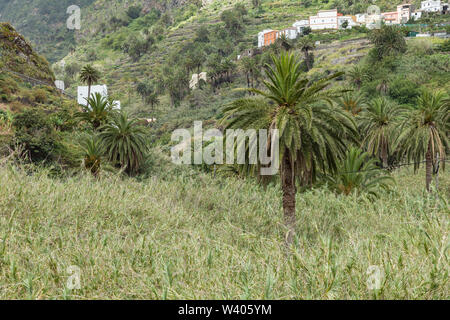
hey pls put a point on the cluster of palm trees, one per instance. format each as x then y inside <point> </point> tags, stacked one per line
<point>115,139</point>
<point>318,137</point>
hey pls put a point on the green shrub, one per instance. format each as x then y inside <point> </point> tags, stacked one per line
<point>40,95</point>
<point>35,134</point>
<point>404,90</point>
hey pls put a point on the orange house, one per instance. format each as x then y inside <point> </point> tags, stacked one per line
<point>270,37</point>
<point>390,17</point>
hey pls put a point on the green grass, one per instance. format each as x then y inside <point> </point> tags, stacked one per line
<point>180,237</point>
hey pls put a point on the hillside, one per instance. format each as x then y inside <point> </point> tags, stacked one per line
<point>163,50</point>
<point>33,113</point>
<point>17,55</point>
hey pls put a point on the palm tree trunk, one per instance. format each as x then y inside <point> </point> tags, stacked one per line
<point>307,60</point>
<point>89,94</point>
<point>428,167</point>
<point>384,153</point>
<point>289,191</point>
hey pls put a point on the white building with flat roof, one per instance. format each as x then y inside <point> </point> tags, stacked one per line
<point>83,92</point>
<point>290,33</point>
<point>431,6</point>
<point>301,25</point>
<point>350,20</point>
<point>361,18</point>
<point>325,19</point>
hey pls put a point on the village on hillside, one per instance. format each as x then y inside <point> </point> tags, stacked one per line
<point>332,19</point>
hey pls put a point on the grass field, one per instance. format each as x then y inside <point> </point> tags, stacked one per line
<point>199,238</point>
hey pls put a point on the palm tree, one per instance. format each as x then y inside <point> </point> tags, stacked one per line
<point>306,44</point>
<point>93,154</point>
<point>311,135</point>
<point>383,87</point>
<point>359,173</point>
<point>352,102</point>
<point>153,100</point>
<point>357,76</point>
<point>97,112</point>
<point>378,123</point>
<point>284,42</point>
<point>425,132</point>
<point>124,142</point>
<point>89,75</point>
<point>248,66</point>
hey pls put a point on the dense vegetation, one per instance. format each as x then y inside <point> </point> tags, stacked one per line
<point>180,237</point>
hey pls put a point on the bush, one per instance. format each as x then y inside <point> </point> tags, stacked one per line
<point>40,95</point>
<point>404,91</point>
<point>134,12</point>
<point>35,134</point>
<point>421,46</point>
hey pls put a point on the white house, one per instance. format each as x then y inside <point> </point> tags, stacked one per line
<point>350,20</point>
<point>361,18</point>
<point>301,25</point>
<point>290,33</point>
<point>431,6</point>
<point>83,92</point>
<point>404,12</point>
<point>325,19</point>
<point>261,37</point>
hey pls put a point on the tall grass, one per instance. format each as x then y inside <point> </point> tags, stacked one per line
<point>196,237</point>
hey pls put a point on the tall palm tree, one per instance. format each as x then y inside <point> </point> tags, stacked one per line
<point>124,142</point>
<point>352,102</point>
<point>97,112</point>
<point>378,123</point>
<point>359,173</point>
<point>89,75</point>
<point>425,132</point>
<point>306,45</point>
<point>311,135</point>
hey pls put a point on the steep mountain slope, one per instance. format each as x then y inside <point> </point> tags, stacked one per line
<point>173,33</point>
<point>17,55</point>
<point>44,23</point>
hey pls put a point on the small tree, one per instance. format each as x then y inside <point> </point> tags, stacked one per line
<point>378,123</point>
<point>97,112</point>
<point>306,45</point>
<point>125,142</point>
<point>92,154</point>
<point>359,173</point>
<point>388,40</point>
<point>425,132</point>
